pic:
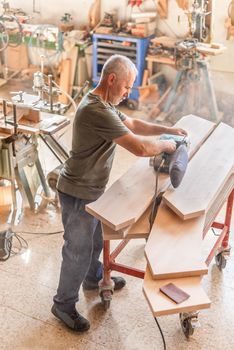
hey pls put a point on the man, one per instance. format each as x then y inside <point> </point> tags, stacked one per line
<point>98,127</point>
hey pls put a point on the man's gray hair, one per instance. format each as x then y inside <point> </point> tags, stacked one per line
<point>120,65</point>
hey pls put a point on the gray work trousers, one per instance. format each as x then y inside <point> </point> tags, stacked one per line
<point>83,243</point>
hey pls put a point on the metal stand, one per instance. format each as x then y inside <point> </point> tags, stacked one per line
<point>14,169</point>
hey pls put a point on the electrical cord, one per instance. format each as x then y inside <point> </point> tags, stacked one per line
<point>214,233</point>
<point>23,245</point>
<point>157,197</point>
<point>41,233</point>
<point>161,332</point>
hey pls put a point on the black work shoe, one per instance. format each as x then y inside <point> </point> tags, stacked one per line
<point>72,320</point>
<point>119,283</point>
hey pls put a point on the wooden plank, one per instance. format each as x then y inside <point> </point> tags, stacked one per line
<point>218,203</point>
<point>145,77</point>
<point>5,129</point>
<point>206,175</point>
<point>161,305</point>
<point>17,57</point>
<point>211,49</point>
<point>174,247</point>
<point>160,59</point>
<point>128,198</point>
<point>65,80</point>
<point>5,195</point>
<point>110,208</point>
<point>162,8</point>
<point>140,229</point>
<point>109,234</point>
<point>9,129</point>
<point>183,4</point>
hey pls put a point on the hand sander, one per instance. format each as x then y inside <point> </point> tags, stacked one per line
<point>174,164</point>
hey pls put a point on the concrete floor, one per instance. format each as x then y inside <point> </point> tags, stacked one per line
<point>29,281</point>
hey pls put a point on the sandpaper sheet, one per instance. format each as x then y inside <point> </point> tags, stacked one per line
<point>174,293</point>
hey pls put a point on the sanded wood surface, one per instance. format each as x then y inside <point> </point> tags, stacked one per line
<point>110,234</point>
<point>174,246</point>
<point>161,305</point>
<point>207,173</point>
<point>140,229</point>
<point>128,198</point>
<point>218,202</point>
<point>141,226</point>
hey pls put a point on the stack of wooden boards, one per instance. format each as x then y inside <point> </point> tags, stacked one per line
<point>173,249</point>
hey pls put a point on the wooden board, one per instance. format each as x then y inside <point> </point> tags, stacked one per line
<point>183,4</point>
<point>9,129</point>
<point>211,49</point>
<point>17,57</point>
<point>174,247</point>
<point>5,195</point>
<point>128,198</point>
<point>162,8</point>
<point>65,80</point>
<point>109,234</point>
<point>218,203</point>
<point>140,229</point>
<point>206,175</point>
<point>161,305</point>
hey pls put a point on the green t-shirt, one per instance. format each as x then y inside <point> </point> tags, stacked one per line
<point>86,172</point>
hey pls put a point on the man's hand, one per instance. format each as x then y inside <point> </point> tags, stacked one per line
<point>178,131</point>
<point>168,146</point>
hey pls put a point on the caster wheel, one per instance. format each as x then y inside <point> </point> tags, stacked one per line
<point>106,296</point>
<point>132,104</point>
<point>220,261</point>
<point>186,325</point>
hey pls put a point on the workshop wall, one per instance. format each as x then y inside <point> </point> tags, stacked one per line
<point>44,11</point>
<point>224,62</point>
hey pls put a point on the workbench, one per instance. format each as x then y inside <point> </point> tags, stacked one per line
<point>173,248</point>
<point>19,158</point>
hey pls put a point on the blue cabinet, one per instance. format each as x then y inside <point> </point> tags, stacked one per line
<point>105,46</point>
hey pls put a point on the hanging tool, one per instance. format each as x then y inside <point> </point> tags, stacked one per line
<point>174,164</point>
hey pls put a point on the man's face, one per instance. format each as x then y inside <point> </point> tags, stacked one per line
<point>120,89</point>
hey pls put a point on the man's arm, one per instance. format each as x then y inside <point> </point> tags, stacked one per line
<point>142,147</point>
<point>140,127</point>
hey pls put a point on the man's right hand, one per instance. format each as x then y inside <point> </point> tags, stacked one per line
<point>168,146</point>
<point>145,147</point>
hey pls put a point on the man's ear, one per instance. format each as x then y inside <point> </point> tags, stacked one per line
<point>111,78</point>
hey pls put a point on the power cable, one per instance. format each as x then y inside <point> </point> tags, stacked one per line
<point>41,233</point>
<point>161,332</point>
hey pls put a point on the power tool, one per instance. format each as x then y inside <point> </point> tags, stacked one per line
<point>174,164</point>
